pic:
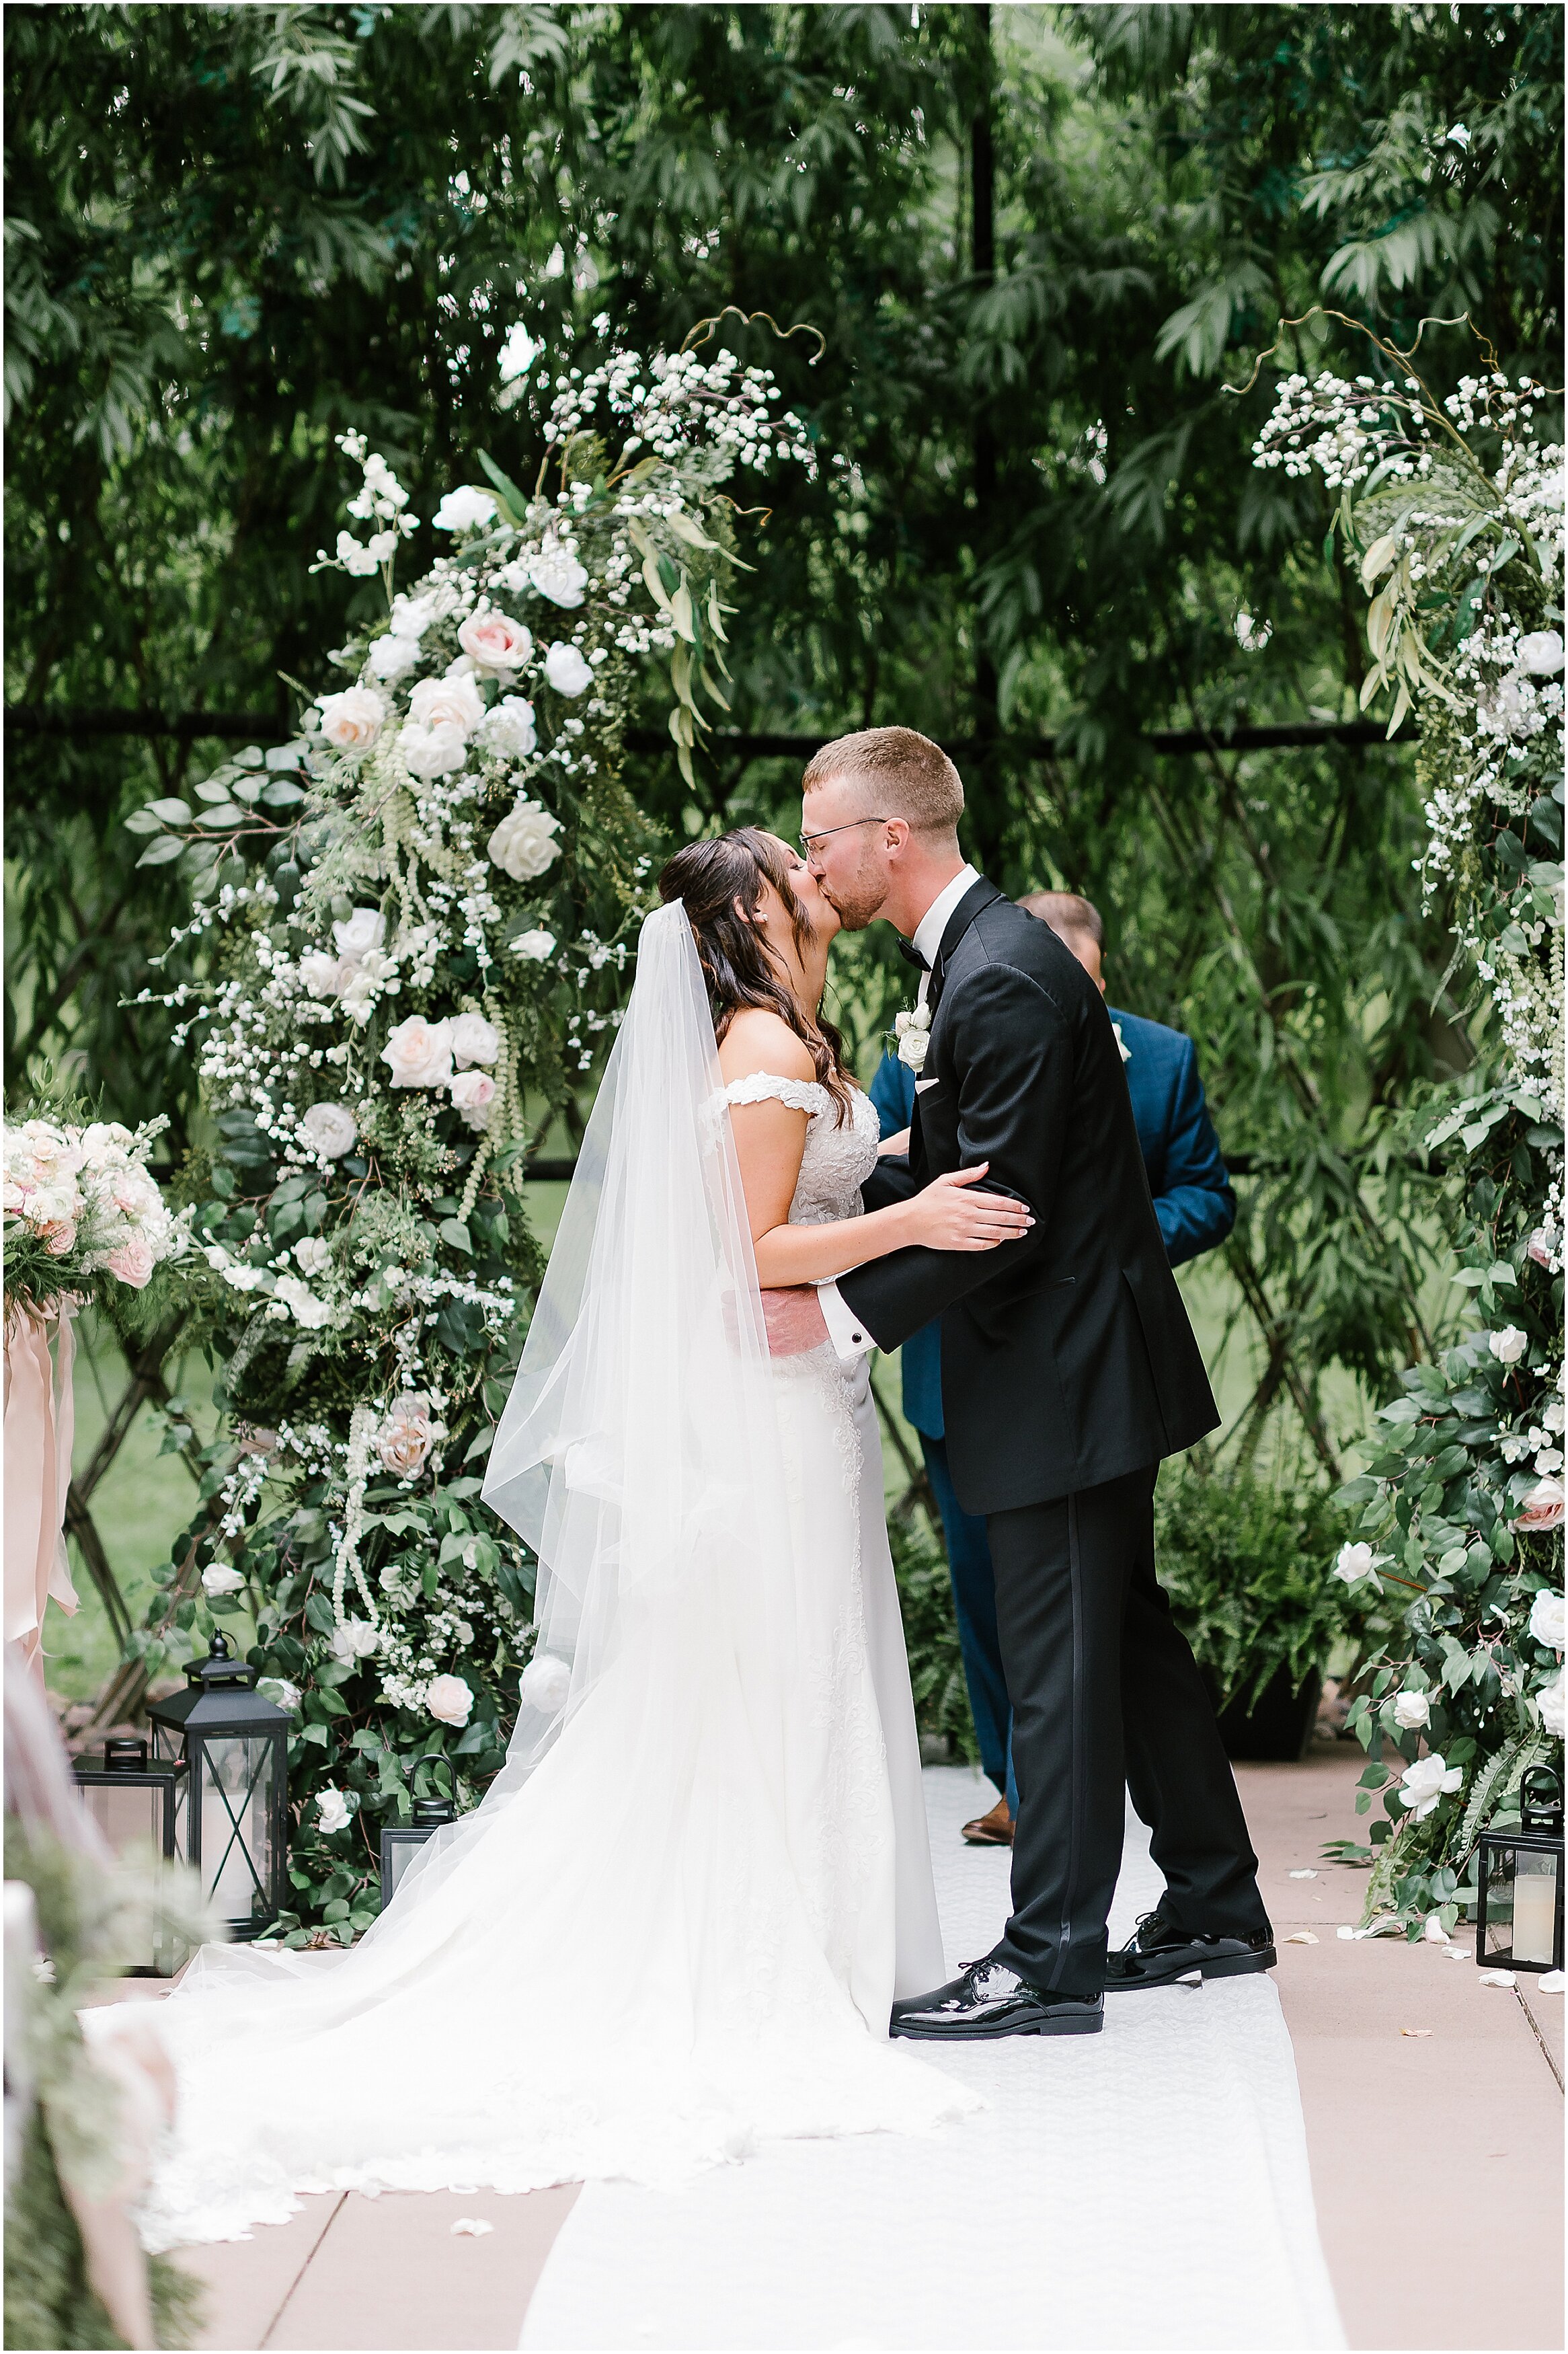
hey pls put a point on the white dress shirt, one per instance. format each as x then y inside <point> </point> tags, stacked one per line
<point>848,1335</point>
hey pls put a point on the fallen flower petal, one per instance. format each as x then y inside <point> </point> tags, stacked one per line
<point>1301,1938</point>
<point>1497,1977</point>
<point>471,2227</point>
<point>1303,1875</point>
<point>1416,2030</point>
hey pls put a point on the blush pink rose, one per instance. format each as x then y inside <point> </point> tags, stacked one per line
<point>1544,1509</point>
<point>495,641</point>
<point>132,1262</point>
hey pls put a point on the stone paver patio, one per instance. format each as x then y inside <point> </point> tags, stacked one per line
<point>1437,2158</point>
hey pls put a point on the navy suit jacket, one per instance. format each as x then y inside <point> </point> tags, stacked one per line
<point>1192,1196</point>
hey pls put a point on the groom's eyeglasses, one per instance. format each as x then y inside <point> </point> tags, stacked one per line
<point>809,841</point>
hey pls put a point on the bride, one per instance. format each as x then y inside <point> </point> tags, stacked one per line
<point>676,1923</point>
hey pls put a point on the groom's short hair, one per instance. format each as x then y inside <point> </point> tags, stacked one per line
<point>898,765</point>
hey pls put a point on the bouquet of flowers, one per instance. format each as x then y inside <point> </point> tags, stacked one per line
<point>83,1212</point>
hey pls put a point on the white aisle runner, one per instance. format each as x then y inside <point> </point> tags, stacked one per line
<point>1146,2187</point>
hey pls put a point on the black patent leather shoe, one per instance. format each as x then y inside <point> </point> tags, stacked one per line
<point>989,1999</point>
<point>1162,1953</point>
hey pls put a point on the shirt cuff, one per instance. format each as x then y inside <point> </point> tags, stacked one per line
<point>847,1334</point>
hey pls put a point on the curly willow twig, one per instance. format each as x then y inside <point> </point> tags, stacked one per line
<point>704,327</point>
<point>1390,351</point>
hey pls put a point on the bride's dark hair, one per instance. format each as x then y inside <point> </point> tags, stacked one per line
<point>720,882</point>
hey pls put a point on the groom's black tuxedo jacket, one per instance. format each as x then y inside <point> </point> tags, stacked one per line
<point>1067,1358</point>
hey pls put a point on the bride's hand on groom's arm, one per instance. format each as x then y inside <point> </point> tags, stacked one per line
<point>956,1213</point>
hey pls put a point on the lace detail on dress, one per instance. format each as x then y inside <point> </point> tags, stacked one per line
<point>839,1156</point>
<point>767,1086</point>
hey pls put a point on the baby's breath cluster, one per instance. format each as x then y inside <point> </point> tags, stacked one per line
<point>407,949</point>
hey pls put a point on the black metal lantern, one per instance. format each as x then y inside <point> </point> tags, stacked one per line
<point>1519,1881</point>
<point>232,1819</point>
<point>135,1803</point>
<point>400,1842</point>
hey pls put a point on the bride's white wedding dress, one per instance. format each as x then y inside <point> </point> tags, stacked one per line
<point>674,1927</point>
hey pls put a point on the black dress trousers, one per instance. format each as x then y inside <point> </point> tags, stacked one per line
<point>1106,1693</point>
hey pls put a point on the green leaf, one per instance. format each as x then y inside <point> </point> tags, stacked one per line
<point>514,505</point>
<point>453,1231</point>
<point>171,811</point>
<point>167,847</point>
<point>141,820</point>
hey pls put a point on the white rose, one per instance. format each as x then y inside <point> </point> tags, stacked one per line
<point>219,1578</point>
<point>318,970</point>
<point>329,1129</point>
<point>1508,1345</point>
<point>544,1683</point>
<point>1412,1710</point>
<point>392,658</point>
<point>449,702</point>
<point>353,720</point>
<point>448,1699</point>
<point>433,751</point>
<point>332,1810</point>
<point>355,1638</point>
<point>474,1040</point>
<point>913,1046</point>
<point>1354,1562</point>
<point>364,931</point>
<point>508,728</point>
<point>1549,1699</point>
<point>1547,1614</point>
<point>420,1052</point>
<point>535,946</point>
<point>495,641</point>
<point>473,1092</point>
<point>1422,1785</point>
<point>312,1255</point>
<point>1541,653</point>
<point>522,844</point>
<point>566,671</point>
<point>556,574</point>
<point>464,509</point>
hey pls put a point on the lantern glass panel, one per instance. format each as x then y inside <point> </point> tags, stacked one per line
<point>130,1815</point>
<point>1534,1908</point>
<point>238,1866</point>
<point>1499,1941</point>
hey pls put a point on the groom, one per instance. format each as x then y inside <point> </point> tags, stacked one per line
<point>1068,1370</point>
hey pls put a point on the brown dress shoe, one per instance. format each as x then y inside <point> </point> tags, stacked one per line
<point>994,1829</point>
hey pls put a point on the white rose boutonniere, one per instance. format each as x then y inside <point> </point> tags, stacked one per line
<point>1123,1049</point>
<point>912,1031</point>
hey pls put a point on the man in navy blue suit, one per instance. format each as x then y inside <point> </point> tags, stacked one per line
<point>1196,1210</point>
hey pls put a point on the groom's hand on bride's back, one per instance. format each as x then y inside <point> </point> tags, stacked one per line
<point>794,1320</point>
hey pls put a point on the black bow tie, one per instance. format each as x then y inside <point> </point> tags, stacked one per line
<point>911,955</point>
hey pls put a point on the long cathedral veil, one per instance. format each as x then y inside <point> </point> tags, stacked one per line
<point>639,1454</point>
